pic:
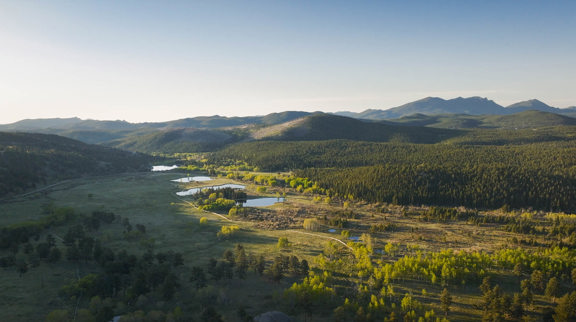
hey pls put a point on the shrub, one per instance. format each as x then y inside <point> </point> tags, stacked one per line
<point>283,242</point>
<point>311,224</point>
<point>228,231</point>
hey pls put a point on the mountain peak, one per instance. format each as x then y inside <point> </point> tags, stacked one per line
<point>532,104</point>
<point>429,99</point>
<point>433,105</point>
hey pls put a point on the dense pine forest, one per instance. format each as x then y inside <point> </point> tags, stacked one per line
<point>536,175</point>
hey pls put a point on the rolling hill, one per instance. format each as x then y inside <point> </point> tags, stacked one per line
<point>63,125</point>
<point>125,134</point>
<point>28,160</point>
<point>532,105</point>
<point>216,121</point>
<point>316,127</point>
<point>179,140</point>
<point>417,128</point>
<point>74,123</point>
<point>332,127</point>
<point>521,120</point>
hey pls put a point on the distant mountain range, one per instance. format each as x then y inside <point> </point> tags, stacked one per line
<point>428,120</point>
<point>98,132</point>
<point>215,121</point>
<point>85,129</point>
<point>521,120</point>
<point>468,106</point>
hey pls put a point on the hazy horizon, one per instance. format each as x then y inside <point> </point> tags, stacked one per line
<point>148,61</point>
<point>231,116</point>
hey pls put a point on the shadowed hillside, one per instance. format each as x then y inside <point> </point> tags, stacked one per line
<point>521,120</point>
<point>28,160</point>
<point>331,127</point>
<point>179,140</point>
<point>153,136</point>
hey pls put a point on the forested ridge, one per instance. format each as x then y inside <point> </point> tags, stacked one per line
<point>178,140</point>
<point>27,160</point>
<point>527,119</point>
<point>329,127</point>
<point>274,156</point>
<point>541,175</point>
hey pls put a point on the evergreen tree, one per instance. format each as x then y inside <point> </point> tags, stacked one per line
<point>518,269</point>
<point>209,314</point>
<point>276,271</point>
<point>566,308</point>
<point>198,277</point>
<point>304,268</point>
<point>552,288</point>
<point>445,301</point>
<point>537,280</point>
<point>485,287</point>
<point>54,255</point>
<point>517,308</point>
<point>72,252</point>
<point>527,295</point>
<point>259,265</point>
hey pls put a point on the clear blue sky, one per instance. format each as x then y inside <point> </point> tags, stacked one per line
<point>162,60</point>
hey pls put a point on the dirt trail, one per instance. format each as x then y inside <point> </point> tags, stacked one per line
<point>322,236</point>
<point>289,230</point>
<point>35,191</point>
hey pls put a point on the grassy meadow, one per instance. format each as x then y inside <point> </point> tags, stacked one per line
<point>171,224</point>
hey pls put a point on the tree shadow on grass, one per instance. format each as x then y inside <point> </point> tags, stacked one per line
<point>251,237</point>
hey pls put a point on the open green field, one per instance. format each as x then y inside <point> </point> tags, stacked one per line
<point>148,199</point>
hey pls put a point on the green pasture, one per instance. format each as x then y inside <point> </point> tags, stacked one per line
<point>171,224</point>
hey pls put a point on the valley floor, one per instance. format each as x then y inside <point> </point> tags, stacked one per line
<point>173,224</point>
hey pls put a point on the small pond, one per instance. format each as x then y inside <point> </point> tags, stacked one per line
<point>157,168</point>
<point>192,179</point>
<point>262,202</point>
<point>354,238</point>
<point>194,191</point>
<point>331,230</point>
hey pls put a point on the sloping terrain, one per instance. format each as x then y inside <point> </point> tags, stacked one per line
<point>521,120</point>
<point>179,140</point>
<point>63,124</point>
<point>315,127</point>
<point>417,128</point>
<point>468,106</point>
<point>72,125</point>
<point>434,106</point>
<point>532,105</point>
<point>134,136</point>
<point>332,127</point>
<point>28,160</point>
